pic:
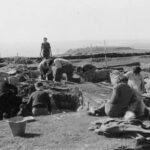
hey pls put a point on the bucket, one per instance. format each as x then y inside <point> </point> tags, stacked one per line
<point>17,126</point>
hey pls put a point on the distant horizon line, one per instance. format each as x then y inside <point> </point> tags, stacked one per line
<point>32,49</point>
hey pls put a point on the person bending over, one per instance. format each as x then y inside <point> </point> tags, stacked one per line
<point>45,68</point>
<point>63,66</point>
<point>9,101</point>
<point>39,102</point>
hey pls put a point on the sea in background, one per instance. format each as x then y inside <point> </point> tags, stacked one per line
<point>32,49</point>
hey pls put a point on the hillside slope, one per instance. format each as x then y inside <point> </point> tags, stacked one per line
<point>97,50</point>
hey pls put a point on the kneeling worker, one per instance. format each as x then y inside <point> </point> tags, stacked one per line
<point>39,101</point>
<point>45,68</point>
<point>63,66</point>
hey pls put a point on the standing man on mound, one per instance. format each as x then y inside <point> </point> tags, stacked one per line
<point>45,49</point>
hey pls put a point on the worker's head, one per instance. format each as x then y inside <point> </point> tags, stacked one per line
<point>79,70</point>
<point>123,79</point>
<point>45,39</point>
<point>50,62</point>
<point>137,70</point>
<point>39,86</point>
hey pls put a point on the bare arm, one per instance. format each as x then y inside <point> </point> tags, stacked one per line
<point>142,84</point>
<point>50,51</point>
<point>133,103</point>
<point>41,50</point>
<point>41,53</point>
<point>41,69</point>
<point>29,104</point>
<point>115,96</point>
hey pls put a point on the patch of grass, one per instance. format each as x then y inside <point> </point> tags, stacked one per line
<point>65,131</point>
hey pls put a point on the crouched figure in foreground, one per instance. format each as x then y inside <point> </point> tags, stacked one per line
<point>9,101</point>
<point>39,102</point>
<point>121,99</point>
<point>124,102</point>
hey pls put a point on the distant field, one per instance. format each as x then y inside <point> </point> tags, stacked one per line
<point>144,60</point>
<point>101,50</point>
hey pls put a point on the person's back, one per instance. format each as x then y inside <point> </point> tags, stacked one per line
<point>63,66</point>
<point>60,62</point>
<point>95,75</point>
<point>40,98</point>
<point>39,101</point>
<point>88,67</point>
<point>120,100</point>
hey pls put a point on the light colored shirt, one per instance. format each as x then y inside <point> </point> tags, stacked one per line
<point>136,82</point>
<point>60,62</point>
<point>43,66</point>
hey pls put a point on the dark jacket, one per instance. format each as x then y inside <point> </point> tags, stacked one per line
<point>39,99</point>
<point>46,50</point>
<point>121,99</point>
<point>9,102</point>
<point>6,88</point>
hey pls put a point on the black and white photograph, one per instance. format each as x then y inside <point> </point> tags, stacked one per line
<point>74,74</point>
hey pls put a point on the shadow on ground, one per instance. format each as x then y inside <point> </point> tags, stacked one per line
<point>31,135</point>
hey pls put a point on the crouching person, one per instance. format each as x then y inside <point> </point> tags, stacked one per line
<point>45,68</point>
<point>63,66</point>
<point>9,101</point>
<point>122,98</point>
<point>39,102</point>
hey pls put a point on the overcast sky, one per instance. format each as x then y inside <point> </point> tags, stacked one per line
<point>70,20</point>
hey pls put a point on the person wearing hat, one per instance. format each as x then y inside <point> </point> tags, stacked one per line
<point>45,68</point>
<point>39,101</point>
<point>45,49</point>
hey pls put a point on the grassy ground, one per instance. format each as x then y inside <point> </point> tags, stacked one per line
<point>60,132</point>
<point>68,131</point>
<point>114,61</point>
<point>65,131</point>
